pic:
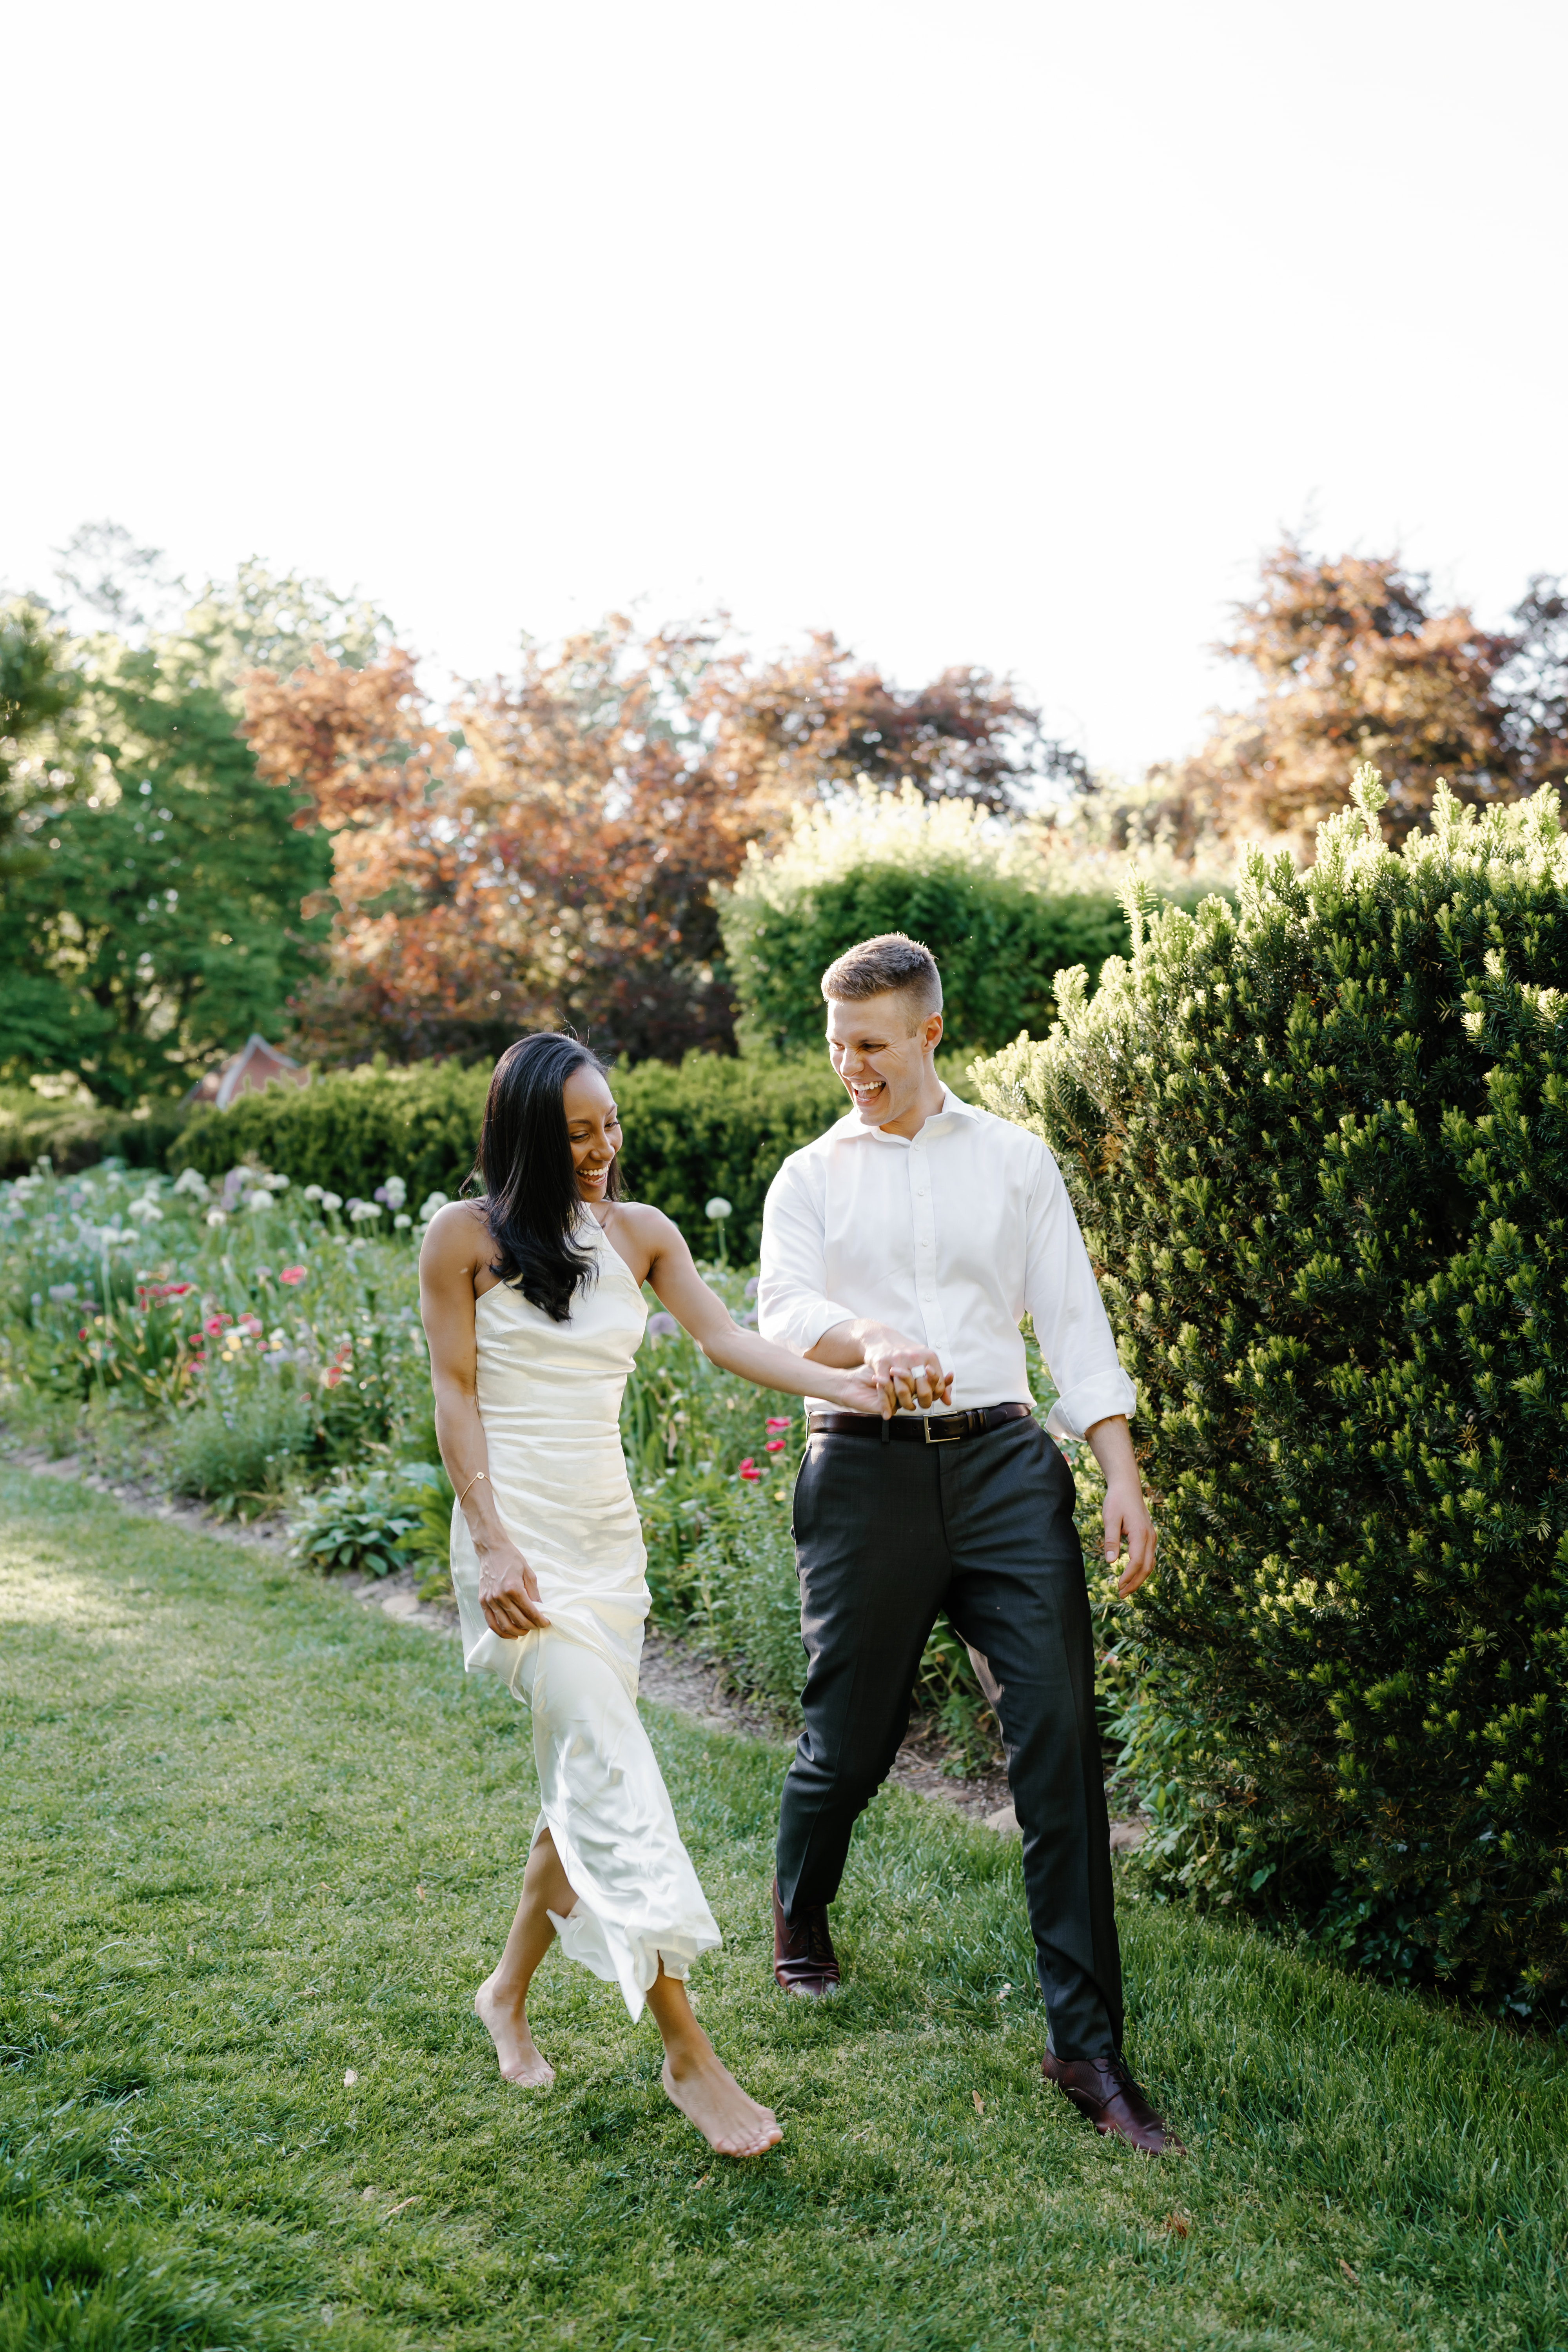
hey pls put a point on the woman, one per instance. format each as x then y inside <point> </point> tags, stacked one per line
<point>532,1300</point>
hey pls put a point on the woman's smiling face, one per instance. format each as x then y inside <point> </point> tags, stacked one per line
<point>592,1129</point>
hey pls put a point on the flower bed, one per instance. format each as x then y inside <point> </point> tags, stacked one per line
<point>257,1343</point>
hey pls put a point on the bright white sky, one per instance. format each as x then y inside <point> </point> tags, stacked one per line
<point>994,330</point>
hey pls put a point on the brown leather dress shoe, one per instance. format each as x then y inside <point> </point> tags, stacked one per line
<point>1103,2090</point>
<point>804,1957</point>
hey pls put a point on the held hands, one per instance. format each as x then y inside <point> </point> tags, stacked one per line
<point>857,1391</point>
<point>905,1375</point>
<point>508,1591</point>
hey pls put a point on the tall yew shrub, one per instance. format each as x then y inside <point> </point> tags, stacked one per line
<point>1319,1144</point>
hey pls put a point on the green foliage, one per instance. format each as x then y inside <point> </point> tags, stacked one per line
<point>261,1342</point>
<point>978,894</point>
<point>37,686</point>
<point>71,1130</point>
<point>156,886</point>
<point>348,1132</point>
<point>714,1124</point>
<point>1319,1145</point>
<point>242,1443</point>
<point>360,1522</point>
<point>159,920</point>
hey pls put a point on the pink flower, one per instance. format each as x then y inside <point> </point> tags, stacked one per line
<point>749,1470</point>
<point>215,1323</point>
<point>775,1424</point>
<point>292,1274</point>
<point>775,1445</point>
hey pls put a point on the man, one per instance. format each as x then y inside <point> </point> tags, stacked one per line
<point>912,1237</point>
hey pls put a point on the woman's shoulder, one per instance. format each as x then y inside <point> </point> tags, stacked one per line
<point>648,1224</point>
<point>457,1233</point>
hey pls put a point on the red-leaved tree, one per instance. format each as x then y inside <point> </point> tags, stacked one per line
<point>547,852</point>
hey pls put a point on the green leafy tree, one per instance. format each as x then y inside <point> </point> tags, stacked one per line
<point>164,898</point>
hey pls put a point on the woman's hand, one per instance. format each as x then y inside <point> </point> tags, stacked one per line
<point>857,1391</point>
<point>508,1593</point>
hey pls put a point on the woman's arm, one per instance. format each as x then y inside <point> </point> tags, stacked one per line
<point>456,1242</point>
<point>723,1341</point>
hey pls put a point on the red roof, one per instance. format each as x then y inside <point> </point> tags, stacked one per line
<point>256,1065</point>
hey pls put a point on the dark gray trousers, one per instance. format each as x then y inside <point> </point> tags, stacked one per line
<point>887,1535</point>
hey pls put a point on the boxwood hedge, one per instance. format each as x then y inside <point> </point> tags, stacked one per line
<point>1319,1144</point>
<point>709,1125</point>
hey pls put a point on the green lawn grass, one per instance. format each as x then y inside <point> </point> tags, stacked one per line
<point>258,1839</point>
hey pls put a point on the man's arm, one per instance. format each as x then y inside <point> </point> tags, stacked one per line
<point>909,1374</point>
<point>795,1310</point>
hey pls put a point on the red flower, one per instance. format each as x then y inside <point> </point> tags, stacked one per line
<point>775,1445</point>
<point>749,1470</point>
<point>292,1274</point>
<point>215,1323</point>
<point>774,1423</point>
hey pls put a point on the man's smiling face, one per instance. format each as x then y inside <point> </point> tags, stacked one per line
<point>883,1060</point>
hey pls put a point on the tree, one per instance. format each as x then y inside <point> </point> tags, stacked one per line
<point>1356,663</point>
<point>155,900</point>
<point>553,856</point>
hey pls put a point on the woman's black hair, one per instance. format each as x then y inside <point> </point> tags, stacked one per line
<point>531,1201</point>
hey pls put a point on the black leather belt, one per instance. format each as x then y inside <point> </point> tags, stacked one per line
<point>917,1428</point>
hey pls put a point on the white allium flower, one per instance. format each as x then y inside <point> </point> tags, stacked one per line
<point>258,1199</point>
<point>191,1181</point>
<point>145,1211</point>
<point>313,1193</point>
<point>401,1222</point>
<point>396,1191</point>
<point>218,1216</point>
<point>332,1200</point>
<point>276,1183</point>
<point>718,1209</point>
<point>430,1203</point>
<point>364,1213</point>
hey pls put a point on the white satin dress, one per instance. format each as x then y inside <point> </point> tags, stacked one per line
<point>550,1399</point>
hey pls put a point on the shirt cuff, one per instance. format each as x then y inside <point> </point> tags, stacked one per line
<point>1096,1399</point>
<point>803,1323</point>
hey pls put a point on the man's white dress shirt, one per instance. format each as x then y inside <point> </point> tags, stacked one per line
<point>949,1238</point>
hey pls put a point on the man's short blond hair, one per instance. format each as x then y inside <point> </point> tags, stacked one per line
<point>892,965</point>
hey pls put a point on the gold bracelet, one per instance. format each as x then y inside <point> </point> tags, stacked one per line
<point>471,1484</point>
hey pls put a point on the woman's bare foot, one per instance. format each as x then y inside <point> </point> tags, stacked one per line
<point>519,2061</point>
<point>709,2095</point>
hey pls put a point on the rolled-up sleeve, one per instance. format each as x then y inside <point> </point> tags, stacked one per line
<point>1068,1315</point>
<point>793,1309</point>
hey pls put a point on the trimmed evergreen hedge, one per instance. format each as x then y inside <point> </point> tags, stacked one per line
<point>1318,1143</point>
<point>709,1125</point>
<point>998,940</point>
<point>73,1134</point>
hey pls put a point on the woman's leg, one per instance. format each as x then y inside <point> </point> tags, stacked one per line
<point>701,2086</point>
<point>499,2002</point>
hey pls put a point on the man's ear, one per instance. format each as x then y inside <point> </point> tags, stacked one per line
<point>932,1038</point>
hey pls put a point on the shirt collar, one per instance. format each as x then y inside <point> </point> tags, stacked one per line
<point>953,1107</point>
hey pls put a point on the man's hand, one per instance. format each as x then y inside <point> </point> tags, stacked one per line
<point>508,1591</point>
<point>907,1374</point>
<point>1127,1518</point>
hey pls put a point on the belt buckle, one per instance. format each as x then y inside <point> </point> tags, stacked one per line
<point>948,1438</point>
